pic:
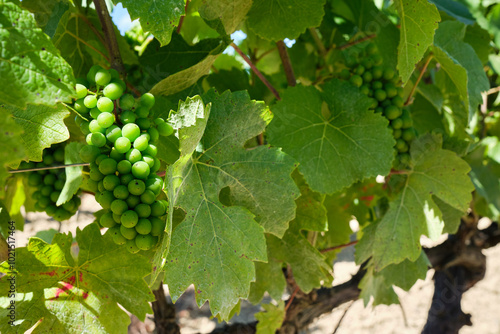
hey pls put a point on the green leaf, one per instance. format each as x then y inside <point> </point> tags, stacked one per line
<point>229,12</point>
<point>310,213</point>
<point>177,66</point>
<point>73,174</point>
<point>14,200</point>
<point>80,45</point>
<point>53,286</point>
<point>406,273</point>
<point>435,172</point>
<point>419,19</point>
<point>12,146</point>
<point>353,143</point>
<point>31,68</point>
<point>268,277</point>
<point>42,125</point>
<point>455,9</point>
<point>479,39</point>
<point>279,19</point>
<point>158,17</point>
<point>229,237</point>
<point>270,320</point>
<point>461,63</point>
<point>47,13</point>
<point>374,285</point>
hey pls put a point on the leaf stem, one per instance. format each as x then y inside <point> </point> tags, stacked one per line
<point>361,40</point>
<point>410,97</point>
<point>291,298</point>
<point>181,20</point>
<point>329,249</point>
<point>287,65</point>
<point>73,110</point>
<point>45,168</point>
<point>319,43</point>
<point>109,34</point>
<point>256,71</point>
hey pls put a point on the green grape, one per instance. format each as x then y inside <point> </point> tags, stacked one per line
<point>131,246</point>
<point>365,89</point>
<point>142,112</point>
<point>79,106</point>
<point>61,214</point>
<point>396,133</point>
<point>81,91</point>
<point>126,179</point>
<point>51,210</point>
<point>94,113</point>
<point>104,104</point>
<point>119,239</point>
<point>132,201</point>
<point>129,219</point>
<point>392,112</point>
<point>38,207</point>
<point>143,226</point>
<point>155,185</point>
<point>120,83</point>
<point>90,101</point>
<point>389,74</point>
<point>153,135</point>
<point>404,158</point>
<point>70,205</point>
<point>407,121</point>
<point>404,148</point>
<point>102,77</point>
<point>108,166</point>
<point>148,197</point>
<point>141,143</point>
<point>100,185</point>
<point>356,80</point>
<point>110,182</point>
<point>34,179</point>
<point>122,145</point>
<point>140,170</point>
<point>36,195</point>
<point>131,131</point>
<point>143,210</point>
<point>367,64</point>
<point>127,232</point>
<point>377,59</point>
<point>117,218</point>
<point>408,134</point>
<point>391,90</point>
<point>89,153</point>
<point>367,77</point>
<point>49,179</point>
<point>156,165</point>
<point>136,187</point>
<point>113,133</point>
<point>133,155</point>
<point>377,72</point>
<point>96,139</point>
<point>113,91</point>
<point>398,101</point>
<point>128,117</point>
<point>127,102</point>
<point>59,184</point>
<point>41,165</point>
<point>95,174</point>
<point>371,49</point>
<point>118,206</point>
<point>107,220</point>
<point>100,158</point>
<point>121,192</point>
<point>164,129</point>
<point>151,150</point>
<point>114,231</point>
<point>377,85</point>
<point>149,160</point>
<point>400,144</point>
<point>157,226</point>
<point>106,198</point>
<point>106,119</point>
<point>397,123</point>
<point>380,95</point>
<point>91,185</point>
<point>359,70</point>
<point>124,167</point>
<point>94,127</point>
<point>54,196</point>
<point>59,155</point>
<point>44,202</point>
<point>92,72</point>
<point>144,242</point>
<point>147,100</point>
<point>157,209</point>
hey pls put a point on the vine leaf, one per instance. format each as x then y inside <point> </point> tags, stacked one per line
<point>419,20</point>
<point>42,125</point>
<point>47,13</point>
<point>270,320</point>
<point>279,19</point>
<point>177,66</point>
<point>413,212</point>
<point>229,12</point>
<point>31,68</point>
<point>353,143</point>
<point>52,285</point>
<point>158,17</point>
<point>459,60</point>
<point>374,285</point>
<point>12,145</point>
<point>229,238</point>
<point>73,174</point>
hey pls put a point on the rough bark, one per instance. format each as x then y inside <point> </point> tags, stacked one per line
<point>164,313</point>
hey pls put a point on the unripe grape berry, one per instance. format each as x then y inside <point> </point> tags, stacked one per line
<point>149,160</point>
<point>143,210</point>
<point>129,218</point>
<point>136,187</point>
<point>397,123</point>
<point>133,155</point>
<point>128,233</point>
<point>392,112</point>
<point>147,100</point>
<point>107,166</point>
<point>89,153</point>
<point>119,239</point>
<point>106,199</point>
<point>102,77</point>
<point>157,226</point>
<point>106,119</point>
<point>110,182</point>
<point>79,106</point>
<point>96,175</point>
<point>154,135</point>
<point>141,143</point>
<point>121,192</point>
<point>90,101</point>
<point>143,226</point>
<point>127,102</point>
<point>404,158</point>
<point>124,167</point>
<point>104,104</point>
<point>131,131</point>
<point>127,178</point>
<point>151,150</point>
<point>100,158</point>
<point>119,206</point>
<point>144,242</point>
<point>94,113</point>
<point>155,185</point>
<point>92,72</point>
<point>107,220</point>
<point>156,166</point>
<point>389,73</point>
<point>396,133</point>
<point>380,95</point>
<point>81,91</point>
<point>398,101</point>
<point>131,246</point>
<point>122,144</point>
<point>54,196</point>
<point>377,85</point>
<point>140,170</point>
<point>94,127</point>
<point>132,201</point>
<point>408,134</point>
<point>164,129</point>
<point>144,123</point>
<point>148,197</point>
<point>157,209</point>
<point>142,112</point>
<point>34,179</point>
<point>113,91</point>
<point>113,133</point>
<point>356,80</point>
<point>128,117</point>
<point>120,83</point>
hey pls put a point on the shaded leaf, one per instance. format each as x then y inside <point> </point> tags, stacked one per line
<point>271,319</point>
<point>73,174</point>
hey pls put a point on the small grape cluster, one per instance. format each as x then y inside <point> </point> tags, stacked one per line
<point>122,156</point>
<point>382,85</point>
<point>49,183</point>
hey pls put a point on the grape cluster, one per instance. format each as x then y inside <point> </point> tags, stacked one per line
<point>382,85</point>
<point>122,157</point>
<point>49,183</point>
